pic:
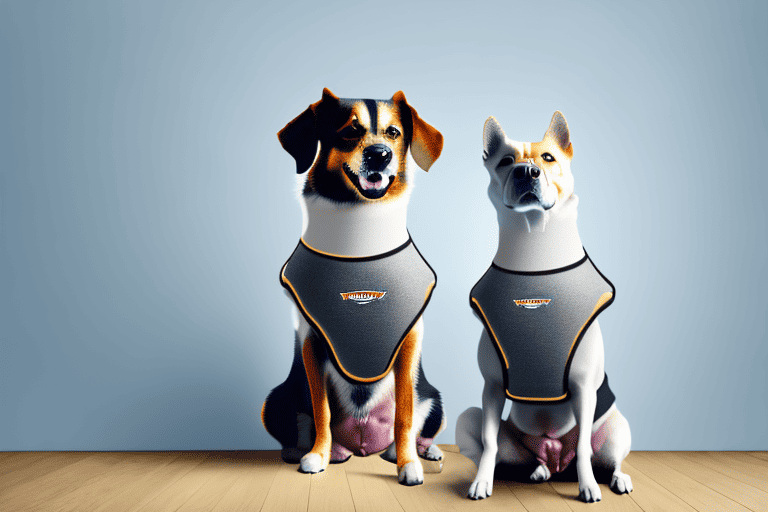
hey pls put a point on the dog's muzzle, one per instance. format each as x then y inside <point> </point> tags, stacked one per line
<point>527,187</point>
<point>373,178</point>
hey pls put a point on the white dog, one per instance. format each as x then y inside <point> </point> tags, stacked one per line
<point>541,346</point>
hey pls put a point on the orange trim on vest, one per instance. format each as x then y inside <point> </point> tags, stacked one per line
<point>600,302</point>
<point>328,339</point>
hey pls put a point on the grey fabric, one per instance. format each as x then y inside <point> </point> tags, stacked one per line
<point>364,334</point>
<point>537,340</point>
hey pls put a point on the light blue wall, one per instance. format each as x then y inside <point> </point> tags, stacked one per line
<point>146,205</point>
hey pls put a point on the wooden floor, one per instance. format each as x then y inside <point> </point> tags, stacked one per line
<point>239,481</point>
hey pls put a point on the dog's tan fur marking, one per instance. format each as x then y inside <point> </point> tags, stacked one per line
<point>557,143</point>
<point>320,407</point>
<point>427,142</point>
<point>405,381</point>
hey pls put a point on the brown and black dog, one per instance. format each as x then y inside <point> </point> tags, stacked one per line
<point>360,287</point>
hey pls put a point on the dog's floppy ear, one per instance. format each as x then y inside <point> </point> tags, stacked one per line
<point>493,137</point>
<point>300,137</point>
<point>426,141</point>
<point>558,132</point>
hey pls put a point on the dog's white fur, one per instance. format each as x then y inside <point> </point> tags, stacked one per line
<point>354,229</point>
<point>531,241</point>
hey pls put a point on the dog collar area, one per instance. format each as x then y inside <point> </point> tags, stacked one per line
<point>547,272</point>
<point>343,257</point>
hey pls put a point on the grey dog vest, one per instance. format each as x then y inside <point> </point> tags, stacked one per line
<point>537,320</point>
<point>363,307</point>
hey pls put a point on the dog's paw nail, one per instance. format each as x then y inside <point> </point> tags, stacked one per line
<point>480,489</point>
<point>411,474</point>
<point>311,463</point>
<point>590,493</point>
<point>621,483</point>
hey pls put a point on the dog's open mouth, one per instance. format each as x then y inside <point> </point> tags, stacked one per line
<point>529,201</point>
<point>372,186</point>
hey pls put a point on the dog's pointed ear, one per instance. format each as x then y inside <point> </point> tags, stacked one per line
<point>426,141</point>
<point>299,137</point>
<point>493,137</point>
<point>559,133</point>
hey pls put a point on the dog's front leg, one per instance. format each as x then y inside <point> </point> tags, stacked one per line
<point>493,405</point>
<point>584,402</point>
<point>409,470</point>
<point>317,459</point>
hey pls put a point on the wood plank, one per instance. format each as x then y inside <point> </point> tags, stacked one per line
<point>453,448</point>
<point>227,468</point>
<point>250,490</point>
<point>538,496</point>
<point>18,460</point>
<point>725,463</point>
<point>24,467</point>
<point>755,464</point>
<point>134,495</point>
<point>35,493</point>
<point>289,491</point>
<point>648,494</point>
<point>751,497</point>
<point>759,455</point>
<point>367,478</point>
<point>5,455</point>
<point>182,490</point>
<point>329,490</point>
<point>452,485</point>
<point>91,494</point>
<point>244,481</point>
<point>698,496</point>
<point>611,501</point>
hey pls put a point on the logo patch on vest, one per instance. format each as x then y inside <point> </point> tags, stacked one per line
<point>363,296</point>
<point>532,303</point>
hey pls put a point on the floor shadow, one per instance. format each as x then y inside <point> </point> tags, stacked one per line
<point>521,474</point>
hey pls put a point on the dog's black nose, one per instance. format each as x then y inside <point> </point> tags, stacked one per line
<point>525,170</point>
<point>377,157</point>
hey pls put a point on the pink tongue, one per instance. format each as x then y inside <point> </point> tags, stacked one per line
<point>367,185</point>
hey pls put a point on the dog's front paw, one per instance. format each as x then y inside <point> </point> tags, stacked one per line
<point>589,492</point>
<point>541,474</point>
<point>431,453</point>
<point>312,463</point>
<point>621,483</point>
<point>480,489</point>
<point>411,474</point>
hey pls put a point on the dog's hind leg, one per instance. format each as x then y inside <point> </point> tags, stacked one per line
<point>286,413</point>
<point>614,450</point>
<point>429,418</point>
<point>468,439</point>
<point>493,405</point>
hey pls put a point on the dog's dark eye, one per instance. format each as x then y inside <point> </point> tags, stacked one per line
<point>507,160</point>
<point>393,132</point>
<point>351,132</point>
<point>547,157</point>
